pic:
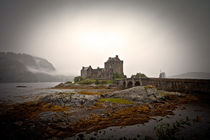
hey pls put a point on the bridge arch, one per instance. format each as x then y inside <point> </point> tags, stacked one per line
<point>124,84</point>
<point>137,83</point>
<point>130,84</point>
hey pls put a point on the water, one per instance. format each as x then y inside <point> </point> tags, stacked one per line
<point>11,93</point>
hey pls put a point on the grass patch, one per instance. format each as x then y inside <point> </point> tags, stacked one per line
<point>116,100</point>
<point>148,87</point>
<point>87,81</point>
<point>96,81</point>
<point>89,93</point>
<point>163,93</point>
<point>69,83</point>
<point>109,82</point>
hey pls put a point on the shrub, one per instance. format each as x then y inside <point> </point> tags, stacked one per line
<point>118,76</point>
<point>139,75</point>
<point>78,79</point>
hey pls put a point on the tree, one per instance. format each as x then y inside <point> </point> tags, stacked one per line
<point>139,75</point>
<point>77,79</point>
<point>118,76</point>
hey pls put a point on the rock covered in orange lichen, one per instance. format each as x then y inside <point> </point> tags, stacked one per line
<point>61,121</point>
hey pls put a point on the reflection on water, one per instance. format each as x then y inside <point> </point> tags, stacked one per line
<point>20,92</point>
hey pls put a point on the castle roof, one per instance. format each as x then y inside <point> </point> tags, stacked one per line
<point>111,59</point>
<point>86,68</point>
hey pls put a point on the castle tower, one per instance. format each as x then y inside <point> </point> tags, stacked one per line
<point>86,72</point>
<point>113,65</point>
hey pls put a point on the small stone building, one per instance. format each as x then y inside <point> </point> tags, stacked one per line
<point>111,66</point>
<point>162,75</point>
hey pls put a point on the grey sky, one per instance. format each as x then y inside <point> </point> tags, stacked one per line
<point>148,35</point>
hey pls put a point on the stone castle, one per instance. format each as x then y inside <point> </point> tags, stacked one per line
<point>111,66</point>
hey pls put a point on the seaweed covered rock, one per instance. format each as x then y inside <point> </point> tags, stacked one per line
<point>139,93</point>
<point>70,99</point>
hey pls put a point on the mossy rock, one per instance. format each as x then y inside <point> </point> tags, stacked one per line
<point>148,87</point>
<point>116,100</point>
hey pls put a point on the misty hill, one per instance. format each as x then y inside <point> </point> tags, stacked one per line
<point>26,68</point>
<point>193,75</point>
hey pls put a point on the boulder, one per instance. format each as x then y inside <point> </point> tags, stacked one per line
<point>70,99</point>
<point>139,93</point>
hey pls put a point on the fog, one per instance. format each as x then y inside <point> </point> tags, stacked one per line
<point>149,36</point>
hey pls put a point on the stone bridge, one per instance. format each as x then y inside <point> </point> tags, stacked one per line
<point>169,84</point>
<point>129,82</point>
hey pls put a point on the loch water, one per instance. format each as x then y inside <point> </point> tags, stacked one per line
<point>20,92</point>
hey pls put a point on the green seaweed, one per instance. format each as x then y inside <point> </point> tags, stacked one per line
<point>148,87</point>
<point>116,100</point>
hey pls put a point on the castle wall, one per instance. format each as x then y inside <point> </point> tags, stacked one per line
<point>97,74</point>
<point>83,74</point>
<point>86,72</point>
<point>180,85</point>
<point>116,66</point>
<point>109,74</point>
<point>113,65</point>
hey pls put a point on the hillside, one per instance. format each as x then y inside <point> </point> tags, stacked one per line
<point>193,75</point>
<point>26,68</point>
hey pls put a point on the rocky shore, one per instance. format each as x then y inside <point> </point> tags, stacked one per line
<point>86,109</point>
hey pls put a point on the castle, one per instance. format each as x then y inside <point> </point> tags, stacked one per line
<point>111,66</point>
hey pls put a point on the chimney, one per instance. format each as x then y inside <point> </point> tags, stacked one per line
<point>116,56</point>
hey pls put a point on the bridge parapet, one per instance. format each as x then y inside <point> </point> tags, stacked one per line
<point>169,84</point>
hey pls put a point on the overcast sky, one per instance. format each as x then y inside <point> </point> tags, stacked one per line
<point>149,36</point>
